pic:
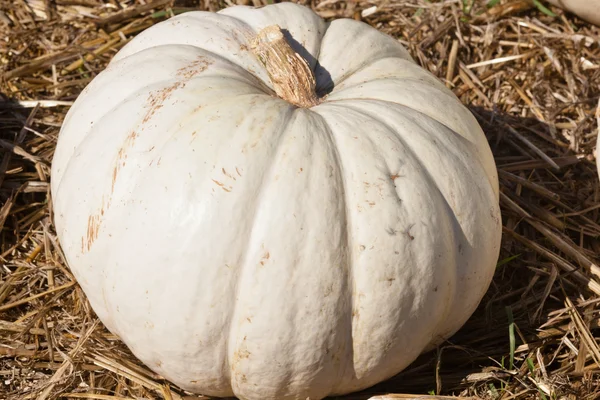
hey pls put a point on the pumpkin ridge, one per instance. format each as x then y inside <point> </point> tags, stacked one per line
<point>349,255</point>
<point>245,264</point>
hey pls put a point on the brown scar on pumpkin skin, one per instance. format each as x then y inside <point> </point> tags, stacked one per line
<point>93,229</point>
<point>156,100</point>
<point>189,71</point>
<point>227,174</point>
<point>93,226</point>
<point>122,157</point>
<point>222,186</point>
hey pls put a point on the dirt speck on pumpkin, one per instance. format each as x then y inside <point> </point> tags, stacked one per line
<point>265,257</point>
<point>241,354</point>
<point>407,232</point>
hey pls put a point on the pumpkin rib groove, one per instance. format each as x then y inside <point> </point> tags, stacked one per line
<point>450,214</point>
<point>245,264</point>
<point>351,287</point>
<point>131,193</point>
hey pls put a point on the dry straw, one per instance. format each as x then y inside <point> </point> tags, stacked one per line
<point>531,76</point>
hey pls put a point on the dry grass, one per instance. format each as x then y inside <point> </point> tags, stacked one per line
<point>532,80</point>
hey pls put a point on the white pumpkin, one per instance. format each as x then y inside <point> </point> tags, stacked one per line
<point>243,245</point>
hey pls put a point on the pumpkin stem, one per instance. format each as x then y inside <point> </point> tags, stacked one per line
<point>289,72</point>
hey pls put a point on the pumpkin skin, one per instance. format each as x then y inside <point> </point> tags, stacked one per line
<point>240,245</point>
